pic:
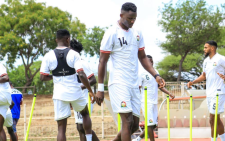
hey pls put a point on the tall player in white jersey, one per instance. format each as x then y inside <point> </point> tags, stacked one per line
<point>124,45</point>
<point>64,63</point>
<point>145,79</point>
<point>213,67</point>
<point>5,99</point>
<point>76,46</point>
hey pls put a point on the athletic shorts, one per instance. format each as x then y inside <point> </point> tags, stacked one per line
<point>62,108</point>
<point>152,114</point>
<point>125,99</point>
<point>8,120</point>
<point>78,116</point>
<point>15,121</point>
<point>211,104</point>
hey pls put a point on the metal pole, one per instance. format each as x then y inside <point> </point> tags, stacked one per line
<point>146,115</point>
<point>191,103</point>
<point>24,121</point>
<point>215,121</point>
<point>103,120</point>
<point>168,116</point>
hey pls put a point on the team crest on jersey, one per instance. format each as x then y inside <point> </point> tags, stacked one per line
<point>214,64</point>
<point>150,121</point>
<point>138,37</point>
<point>123,104</point>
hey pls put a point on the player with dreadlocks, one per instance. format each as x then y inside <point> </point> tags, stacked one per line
<point>77,46</point>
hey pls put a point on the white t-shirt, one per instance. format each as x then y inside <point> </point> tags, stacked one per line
<point>147,80</point>
<point>123,47</point>
<point>66,88</point>
<point>89,74</point>
<point>5,89</point>
<point>213,81</point>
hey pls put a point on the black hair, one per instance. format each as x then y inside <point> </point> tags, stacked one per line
<point>76,46</point>
<point>62,33</point>
<point>128,6</point>
<point>212,43</point>
<point>149,56</point>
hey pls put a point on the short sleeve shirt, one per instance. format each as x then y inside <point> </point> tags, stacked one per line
<point>123,47</point>
<point>5,90</point>
<point>66,88</point>
<point>17,97</point>
<point>214,84</point>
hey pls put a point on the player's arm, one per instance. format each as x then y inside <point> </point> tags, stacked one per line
<point>104,57</point>
<point>12,104</point>
<point>4,78</point>
<point>92,81</point>
<point>84,80</point>
<point>45,77</point>
<point>21,102</point>
<point>148,67</point>
<point>201,78</point>
<point>167,92</point>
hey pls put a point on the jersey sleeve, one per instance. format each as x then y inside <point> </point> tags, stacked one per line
<point>3,71</point>
<point>45,66</point>
<point>107,42</point>
<point>87,70</point>
<point>78,63</point>
<point>141,42</point>
<point>222,61</point>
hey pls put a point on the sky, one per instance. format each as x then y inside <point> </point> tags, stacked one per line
<point>104,13</point>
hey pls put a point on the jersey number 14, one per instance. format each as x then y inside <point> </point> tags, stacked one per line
<point>124,41</point>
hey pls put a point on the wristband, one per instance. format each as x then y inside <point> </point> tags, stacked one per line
<point>156,75</point>
<point>100,87</point>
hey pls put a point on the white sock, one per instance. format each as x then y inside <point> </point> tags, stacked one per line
<point>89,137</point>
<point>212,139</point>
<point>138,138</point>
<point>222,137</point>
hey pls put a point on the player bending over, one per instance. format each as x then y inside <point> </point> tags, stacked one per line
<point>213,68</point>
<point>76,46</point>
<point>145,79</point>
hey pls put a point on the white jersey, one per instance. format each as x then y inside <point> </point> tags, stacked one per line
<point>123,47</point>
<point>213,82</point>
<point>66,88</point>
<point>147,80</point>
<point>5,90</point>
<point>89,74</point>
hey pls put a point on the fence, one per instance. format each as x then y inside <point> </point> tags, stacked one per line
<point>43,125</point>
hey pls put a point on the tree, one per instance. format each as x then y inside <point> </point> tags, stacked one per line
<point>189,24</point>
<point>18,79</point>
<point>92,40</point>
<point>192,67</point>
<point>27,31</point>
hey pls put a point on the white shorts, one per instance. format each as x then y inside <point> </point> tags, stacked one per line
<point>152,110</point>
<point>125,99</point>
<point>78,116</point>
<point>8,120</point>
<point>3,110</point>
<point>211,103</point>
<point>62,108</point>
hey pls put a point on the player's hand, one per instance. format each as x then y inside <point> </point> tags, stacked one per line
<point>221,76</point>
<point>160,81</point>
<point>92,97</point>
<point>99,97</point>
<point>189,84</point>
<point>172,96</point>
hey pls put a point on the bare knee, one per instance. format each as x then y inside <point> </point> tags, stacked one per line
<point>211,120</point>
<point>80,128</point>
<point>10,130</point>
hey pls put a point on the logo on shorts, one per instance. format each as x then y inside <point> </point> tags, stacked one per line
<point>214,64</point>
<point>138,38</point>
<point>123,104</point>
<point>150,121</point>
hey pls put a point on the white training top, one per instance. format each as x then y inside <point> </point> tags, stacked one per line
<point>89,74</point>
<point>147,80</point>
<point>5,89</point>
<point>213,81</point>
<point>66,88</point>
<point>123,47</point>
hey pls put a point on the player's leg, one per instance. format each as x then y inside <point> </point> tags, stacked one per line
<point>2,132</point>
<point>220,126</point>
<point>79,122</point>
<point>12,134</point>
<point>3,111</point>
<point>62,112</point>
<point>15,121</point>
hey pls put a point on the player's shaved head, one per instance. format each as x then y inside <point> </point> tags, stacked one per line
<point>62,33</point>
<point>212,43</point>
<point>128,6</point>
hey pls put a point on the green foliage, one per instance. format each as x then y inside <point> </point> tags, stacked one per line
<point>189,24</point>
<point>92,40</point>
<point>169,67</point>
<point>17,77</point>
<point>27,31</point>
